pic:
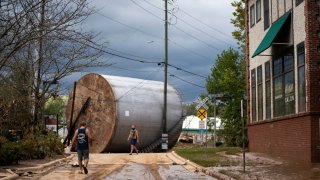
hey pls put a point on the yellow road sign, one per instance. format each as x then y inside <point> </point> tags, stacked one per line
<point>202,113</point>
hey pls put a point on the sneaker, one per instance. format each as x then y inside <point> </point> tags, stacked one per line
<point>85,170</point>
<point>137,152</point>
<point>130,154</point>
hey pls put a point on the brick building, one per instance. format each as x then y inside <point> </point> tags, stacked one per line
<point>283,64</point>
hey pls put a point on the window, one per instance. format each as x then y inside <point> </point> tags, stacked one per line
<point>253,95</point>
<point>277,88</point>
<point>258,10</point>
<point>301,78</point>
<point>252,16</point>
<point>260,93</point>
<point>283,85</point>
<point>266,14</point>
<point>268,89</point>
<point>298,2</point>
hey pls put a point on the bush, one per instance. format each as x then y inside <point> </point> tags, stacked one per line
<point>32,146</point>
<point>9,153</point>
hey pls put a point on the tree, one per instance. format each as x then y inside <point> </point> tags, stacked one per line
<point>47,37</point>
<point>239,23</point>
<point>228,78</point>
<point>189,109</point>
<point>56,106</point>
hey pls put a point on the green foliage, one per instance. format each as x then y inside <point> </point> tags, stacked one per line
<point>228,77</point>
<point>32,146</point>
<point>10,152</point>
<point>239,23</point>
<point>189,109</point>
<point>56,106</point>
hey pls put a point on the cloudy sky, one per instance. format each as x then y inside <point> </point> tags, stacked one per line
<point>198,31</point>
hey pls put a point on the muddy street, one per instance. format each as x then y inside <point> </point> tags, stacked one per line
<point>124,166</point>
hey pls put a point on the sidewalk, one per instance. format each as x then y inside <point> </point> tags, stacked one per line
<point>30,168</point>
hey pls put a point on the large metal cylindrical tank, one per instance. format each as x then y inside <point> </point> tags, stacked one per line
<point>118,102</point>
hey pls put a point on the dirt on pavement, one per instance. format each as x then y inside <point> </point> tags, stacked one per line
<point>124,166</point>
<point>262,167</point>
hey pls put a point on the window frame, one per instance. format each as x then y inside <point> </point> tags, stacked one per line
<point>300,51</point>
<point>253,95</point>
<point>266,14</point>
<point>252,15</point>
<point>267,71</point>
<point>258,18</point>
<point>260,92</point>
<point>280,75</point>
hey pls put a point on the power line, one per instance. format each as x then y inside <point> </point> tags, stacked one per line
<point>191,51</point>
<point>143,32</point>
<point>198,29</point>
<point>172,75</point>
<point>141,83</point>
<point>133,70</point>
<point>192,26</point>
<point>125,53</point>
<point>209,45</point>
<point>178,68</point>
<point>200,21</point>
<point>128,26</point>
<point>153,5</point>
<point>143,61</point>
<point>146,10</point>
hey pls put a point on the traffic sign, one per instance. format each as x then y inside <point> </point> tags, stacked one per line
<point>202,103</point>
<point>202,113</point>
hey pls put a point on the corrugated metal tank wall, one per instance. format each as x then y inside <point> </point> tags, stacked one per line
<point>117,102</point>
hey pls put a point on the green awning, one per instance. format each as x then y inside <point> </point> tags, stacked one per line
<point>271,34</point>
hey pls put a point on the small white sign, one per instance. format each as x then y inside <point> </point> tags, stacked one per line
<point>126,113</point>
<point>202,125</point>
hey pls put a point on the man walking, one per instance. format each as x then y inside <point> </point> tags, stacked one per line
<point>83,136</point>
<point>133,138</point>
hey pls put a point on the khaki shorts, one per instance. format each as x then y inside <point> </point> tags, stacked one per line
<point>83,154</point>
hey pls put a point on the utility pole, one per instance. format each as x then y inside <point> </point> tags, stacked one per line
<point>164,135</point>
<point>215,121</point>
<point>165,67</point>
<point>243,138</point>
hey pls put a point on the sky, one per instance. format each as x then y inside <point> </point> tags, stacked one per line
<point>198,30</point>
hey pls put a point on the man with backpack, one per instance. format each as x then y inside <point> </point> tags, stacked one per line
<point>82,136</point>
<point>133,138</point>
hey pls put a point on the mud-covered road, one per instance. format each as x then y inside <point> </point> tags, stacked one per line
<point>124,166</point>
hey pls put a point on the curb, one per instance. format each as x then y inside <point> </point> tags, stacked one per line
<point>213,173</point>
<point>13,176</point>
<point>42,166</point>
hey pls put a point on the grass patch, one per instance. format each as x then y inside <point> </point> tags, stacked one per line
<point>207,156</point>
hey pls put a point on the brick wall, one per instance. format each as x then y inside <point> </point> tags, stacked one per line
<point>287,138</point>
<point>315,140</point>
<point>312,54</point>
<point>247,62</point>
